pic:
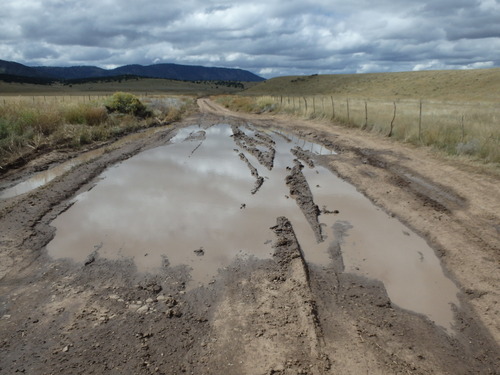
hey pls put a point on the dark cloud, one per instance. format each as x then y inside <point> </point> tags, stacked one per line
<point>267,37</point>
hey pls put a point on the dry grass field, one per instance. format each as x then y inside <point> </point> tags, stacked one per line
<point>32,122</point>
<point>457,112</point>
<point>448,85</point>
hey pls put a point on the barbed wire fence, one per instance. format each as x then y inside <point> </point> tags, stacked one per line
<point>459,128</point>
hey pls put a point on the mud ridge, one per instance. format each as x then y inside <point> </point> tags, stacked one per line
<point>301,192</point>
<point>265,158</point>
<point>287,251</point>
<point>305,156</point>
<point>259,180</point>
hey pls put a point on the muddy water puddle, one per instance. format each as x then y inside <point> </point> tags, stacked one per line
<point>211,195</point>
<point>44,177</point>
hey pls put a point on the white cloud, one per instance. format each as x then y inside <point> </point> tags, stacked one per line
<point>480,65</point>
<point>267,37</point>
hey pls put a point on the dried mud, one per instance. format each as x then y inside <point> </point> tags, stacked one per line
<point>257,316</point>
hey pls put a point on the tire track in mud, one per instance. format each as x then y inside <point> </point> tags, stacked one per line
<point>301,192</point>
<point>305,156</point>
<point>265,158</point>
<point>259,180</point>
<point>274,309</point>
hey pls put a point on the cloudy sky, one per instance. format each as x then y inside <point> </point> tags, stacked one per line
<point>268,37</point>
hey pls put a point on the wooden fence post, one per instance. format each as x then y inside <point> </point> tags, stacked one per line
<point>333,108</point>
<point>366,114</point>
<point>348,115</point>
<point>392,122</point>
<point>305,102</point>
<point>420,122</point>
<point>463,129</point>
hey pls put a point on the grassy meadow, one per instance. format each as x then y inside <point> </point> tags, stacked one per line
<point>457,112</point>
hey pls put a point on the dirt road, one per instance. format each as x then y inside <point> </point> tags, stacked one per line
<point>280,315</point>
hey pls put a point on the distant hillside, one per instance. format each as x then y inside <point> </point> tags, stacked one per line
<point>73,72</point>
<point>14,69</point>
<point>165,71</point>
<point>459,85</point>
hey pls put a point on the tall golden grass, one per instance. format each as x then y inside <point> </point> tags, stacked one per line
<point>457,128</point>
<point>32,122</point>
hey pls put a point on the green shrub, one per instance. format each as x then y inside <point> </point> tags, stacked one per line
<point>126,103</point>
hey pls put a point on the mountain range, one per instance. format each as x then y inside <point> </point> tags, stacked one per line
<point>166,71</point>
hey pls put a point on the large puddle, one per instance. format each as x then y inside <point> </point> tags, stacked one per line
<point>197,202</point>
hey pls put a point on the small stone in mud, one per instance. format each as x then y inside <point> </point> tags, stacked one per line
<point>143,309</point>
<point>326,211</point>
<point>200,252</point>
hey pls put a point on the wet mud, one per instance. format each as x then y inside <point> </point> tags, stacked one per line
<point>305,156</point>
<point>259,180</point>
<point>265,154</point>
<point>300,191</point>
<point>246,289</point>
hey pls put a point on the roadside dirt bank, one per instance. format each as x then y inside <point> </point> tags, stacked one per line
<point>273,316</point>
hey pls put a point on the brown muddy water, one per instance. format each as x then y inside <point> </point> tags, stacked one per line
<point>190,202</point>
